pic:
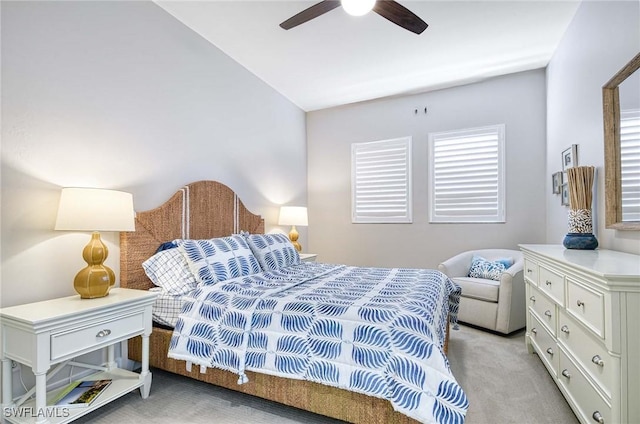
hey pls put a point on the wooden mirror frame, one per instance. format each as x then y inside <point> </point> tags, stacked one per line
<point>612,171</point>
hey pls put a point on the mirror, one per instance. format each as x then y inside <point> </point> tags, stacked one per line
<point>621,111</point>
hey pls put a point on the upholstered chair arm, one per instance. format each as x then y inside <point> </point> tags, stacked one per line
<point>511,302</point>
<point>457,266</point>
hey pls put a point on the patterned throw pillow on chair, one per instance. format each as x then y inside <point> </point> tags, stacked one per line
<point>489,270</point>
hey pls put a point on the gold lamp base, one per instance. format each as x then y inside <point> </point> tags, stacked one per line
<point>95,279</point>
<point>293,236</point>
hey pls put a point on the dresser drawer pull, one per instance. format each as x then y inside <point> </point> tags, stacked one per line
<point>547,313</point>
<point>534,330</point>
<point>580,303</point>
<point>564,329</point>
<point>597,416</point>
<point>529,270</point>
<point>550,351</point>
<point>532,298</point>
<point>548,283</point>
<point>103,333</point>
<point>598,361</point>
<point>565,373</point>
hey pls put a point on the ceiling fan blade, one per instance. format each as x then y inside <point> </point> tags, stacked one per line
<point>310,13</point>
<point>400,15</point>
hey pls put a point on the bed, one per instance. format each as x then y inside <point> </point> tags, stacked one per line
<point>206,210</point>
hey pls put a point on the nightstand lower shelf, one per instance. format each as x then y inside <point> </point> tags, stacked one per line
<point>123,382</point>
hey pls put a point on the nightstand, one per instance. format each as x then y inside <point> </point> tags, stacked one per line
<point>54,332</point>
<point>308,257</point>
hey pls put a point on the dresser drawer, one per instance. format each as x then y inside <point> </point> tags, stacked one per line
<point>544,343</point>
<point>90,337</point>
<point>544,308</point>
<point>590,405</point>
<point>531,270</point>
<point>552,283</point>
<point>587,351</point>
<point>587,305</point>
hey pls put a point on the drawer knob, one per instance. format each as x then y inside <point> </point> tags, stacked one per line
<point>103,333</point>
<point>565,373</point>
<point>548,283</point>
<point>532,298</point>
<point>564,329</point>
<point>580,302</point>
<point>598,361</point>
<point>597,416</point>
<point>550,351</point>
<point>534,330</point>
<point>547,313</point>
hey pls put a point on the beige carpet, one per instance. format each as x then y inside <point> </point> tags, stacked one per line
<point>503,382</point>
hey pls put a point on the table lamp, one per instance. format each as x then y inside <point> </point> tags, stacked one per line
<point>293,215</point>
<point>90,209</point>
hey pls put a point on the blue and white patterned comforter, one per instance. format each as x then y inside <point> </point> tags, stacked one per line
<point>376,331</point>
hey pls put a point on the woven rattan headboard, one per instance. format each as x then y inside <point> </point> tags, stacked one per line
<point>200,210</point>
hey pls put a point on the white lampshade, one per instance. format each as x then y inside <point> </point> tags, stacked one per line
<point>91,209</point>
<point>293,215</point>
<point>357,7</point>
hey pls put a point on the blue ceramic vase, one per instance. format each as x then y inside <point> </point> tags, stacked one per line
<point>584,241</point>
<point>580,234</point>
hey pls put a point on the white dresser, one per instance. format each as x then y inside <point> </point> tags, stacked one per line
<point>583,321</point>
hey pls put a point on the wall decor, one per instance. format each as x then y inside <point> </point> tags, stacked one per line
<point>570,157</point>
<point>564,198</point>
<point>556,182</point>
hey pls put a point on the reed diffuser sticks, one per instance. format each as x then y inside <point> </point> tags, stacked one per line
<point>580,185</point>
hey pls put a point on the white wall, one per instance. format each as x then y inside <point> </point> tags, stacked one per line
<point>601,39</point>
<point>122,95</point>
<point>518,100</point>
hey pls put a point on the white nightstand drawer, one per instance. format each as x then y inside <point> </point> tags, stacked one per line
<point>552,283</point>
<point>590,353</point>
<point>78,340</point>
<point>544,308</point>
<point>589,402</point>
<point>587,306</point>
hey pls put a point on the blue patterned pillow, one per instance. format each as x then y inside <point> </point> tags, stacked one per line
<point>219,259</point>
<point>168,269</point>
<point>273,251</point>
<point>482,268</point>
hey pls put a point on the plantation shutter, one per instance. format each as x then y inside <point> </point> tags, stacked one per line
<point>467,175</point>
<point>630,164</point>
<point>381,181</point>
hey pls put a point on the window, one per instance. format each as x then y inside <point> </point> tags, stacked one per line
<point>381,181</point>
<point>630,164</point>
<point>467,175</point>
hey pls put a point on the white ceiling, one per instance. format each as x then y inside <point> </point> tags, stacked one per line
<point>338,59</point>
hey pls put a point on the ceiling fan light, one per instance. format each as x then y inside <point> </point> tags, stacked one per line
<point>357,7</point>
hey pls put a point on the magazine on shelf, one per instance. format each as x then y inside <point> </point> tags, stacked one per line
<point>80,393</point>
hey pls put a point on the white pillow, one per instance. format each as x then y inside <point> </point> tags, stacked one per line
<point>273,251</point>
<point>219,259</point>
<point>168,269</point>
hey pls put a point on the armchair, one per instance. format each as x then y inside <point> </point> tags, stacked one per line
<point>495,305</point>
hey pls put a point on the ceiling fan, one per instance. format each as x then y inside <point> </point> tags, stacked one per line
<point>388,9</point>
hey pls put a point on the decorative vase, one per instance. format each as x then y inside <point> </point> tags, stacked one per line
<point>580,234</point>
